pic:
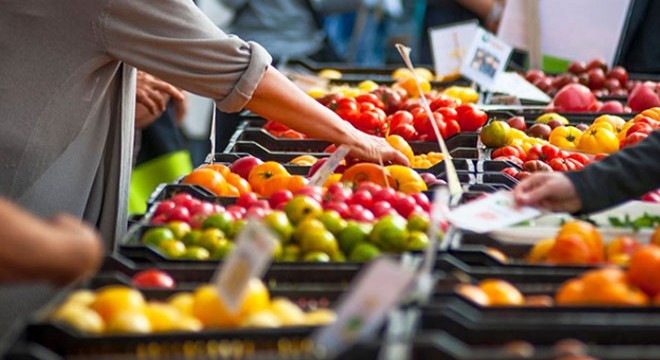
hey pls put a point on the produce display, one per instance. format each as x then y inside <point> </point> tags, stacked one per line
<point>488,298</point>
<point>118,309</point>
<point>314,224</point>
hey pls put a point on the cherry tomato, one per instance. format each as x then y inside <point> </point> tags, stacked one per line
<point>153,278</point>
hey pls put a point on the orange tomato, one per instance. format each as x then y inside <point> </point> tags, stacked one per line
<point>474,294</point>
<point>402,146</point>
<point>570,293</point>
<point>278,182</point>
<point>242,185</point>
<point>655,237</point>
<point>296,182</point>
<point>589,234</point>
<point>367,172</point>
<point>231,191</point>
<point>304,160</point>
<point>569,249</point>
<point>539,252</point>
<point>292,134</point>
<point>644,269</point>
<point>221,168</point>
<point>262,172</point>
<point>653,113</point>
<point>406,179</point>
<point>501,292</point>
<point>608,286</point>
<point>208,178</point>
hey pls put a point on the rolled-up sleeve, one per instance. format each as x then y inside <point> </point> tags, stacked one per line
<point>174,40</point>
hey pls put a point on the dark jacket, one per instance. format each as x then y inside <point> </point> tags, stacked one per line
<point>624,175</point>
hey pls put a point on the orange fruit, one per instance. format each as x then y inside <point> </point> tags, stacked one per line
<point>589,234</point>
<point>210,309</point>
<point>367,172</point>
<point>540,250</point>
<point>501,292</point>
<point>113,299</point>
<point>208,178</point>
<point>242,185</point>
<point>569,249</point>
<point>276,183</point>
<point>231,191</point>
<point>644,269</point>
<point>262,172</point>
<point>474,294</point>
<point>221,168</point>
<point>571,293</point>
<point>402,146</point>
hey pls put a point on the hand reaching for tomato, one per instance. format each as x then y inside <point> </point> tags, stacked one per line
<point>548,190</point>
<point>374,149</point>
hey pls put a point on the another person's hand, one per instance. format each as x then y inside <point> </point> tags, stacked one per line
<point>154,93</point>
<point>548,190</point>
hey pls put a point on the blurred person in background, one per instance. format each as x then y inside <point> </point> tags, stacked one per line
<point>640,44</point>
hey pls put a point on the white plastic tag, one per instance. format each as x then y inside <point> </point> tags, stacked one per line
<point>327,169</point>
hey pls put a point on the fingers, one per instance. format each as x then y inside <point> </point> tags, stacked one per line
<point>142,97</point>
<point>162,86</point>
<point>531,190</point>
<point>396,157</point>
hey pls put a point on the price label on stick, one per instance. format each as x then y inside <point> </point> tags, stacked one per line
<point>254,250</point>
<point>329,167</point>
<point>485,59</point>
<point>365,305</point>
<point>492,212</point>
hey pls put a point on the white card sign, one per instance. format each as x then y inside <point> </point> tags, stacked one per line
<point>365,306</point>
<point>485,59</point>
<point>254,250</point>
<point>449,45</point>
<point>496,211</point>
<point>512,83</point>
<point>327,169</point>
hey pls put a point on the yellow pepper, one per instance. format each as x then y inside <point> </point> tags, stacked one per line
<point>565,137</point>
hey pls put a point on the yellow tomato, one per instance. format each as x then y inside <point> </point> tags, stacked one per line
<point>465,94</point>
<point>317,93</point>
<point>598,139</point>
<point>114,299</point>
<point>565,137</point>
<point>602,125</point>
<point>183,302</point>
<point>406,179</point>
<point>330,74</point>
<point>332,179</point>
<point>80,318</point>
<point>367,86</point>
<point>624,130</point>
<point>210,309</point>
<point>304,160</point>
<point>515,134</point>
<point>616,121</point>
<point>162,317</point>
<point>130,322</point>
<point>401,145</point>
<point>410,85</point>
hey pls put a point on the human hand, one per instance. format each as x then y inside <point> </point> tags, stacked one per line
<point>84,244</point>
<point>180,108</point>
<point>154,93</point>
<point>375,149</point>
<point>548,190</point>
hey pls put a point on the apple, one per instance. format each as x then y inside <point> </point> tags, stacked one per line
<point>611,106</point>
<point>244,165</point>
<point>643,97</point>
<point>541,131</point>
<point>577,67</point>
<point>597,63</point>
<point>517,122</point>
<point>263,203</point>
<point>596,78</point>
<point>574,98</point>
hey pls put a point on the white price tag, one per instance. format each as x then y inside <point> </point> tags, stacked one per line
<point>449,44</point>
<point>327,169</point>
<point>254,250</point>
<point>485,59</point>
<point>366,304</point>
<point>492,212</point>
<point>513,84</point>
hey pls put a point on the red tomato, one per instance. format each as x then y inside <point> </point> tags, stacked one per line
<point>367,106</point>
<point>641,127</point>
<point>452,128</point>
<point>440,124</point>
<point>406,131</point>
<point>652,196</point>
<point>543,153</point>
<point>401,117</point>
<point>441,101</point>
<point>634,138</point>
<point>389,97</point>
<point>581,158</point>
<point>558,164</point>
<point>153,278</point>
<point>347,108</point>
<point>448,113</point>
<point>273,126</point>
<point>647,120</point>
<point>371,122</point>
<point>510,150</point>
<point>535,166</point>
<point>470,118</point>
<point>510,158</point>
<point>511,171</point>
<point>574,164</point>
<point>574,98</point>
<point>370,98</point>
<point>421,120</point>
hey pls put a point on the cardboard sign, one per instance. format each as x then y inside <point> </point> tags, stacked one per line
<point>327,169</point>
<point>449,45</point>
<point>493,212</point>
<point>485,59</point>
<point>254,250</point>
<point>512,83</point>
<point>365,306</point>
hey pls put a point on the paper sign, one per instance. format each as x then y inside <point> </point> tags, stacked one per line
<point>449,45</point>
<point>254,250</point>
<point>365,305</point>
<point>569,29</point>
<point>492,212</point>
<point>485,59</point>
<point>513,84</point>
<point>327,169</point>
